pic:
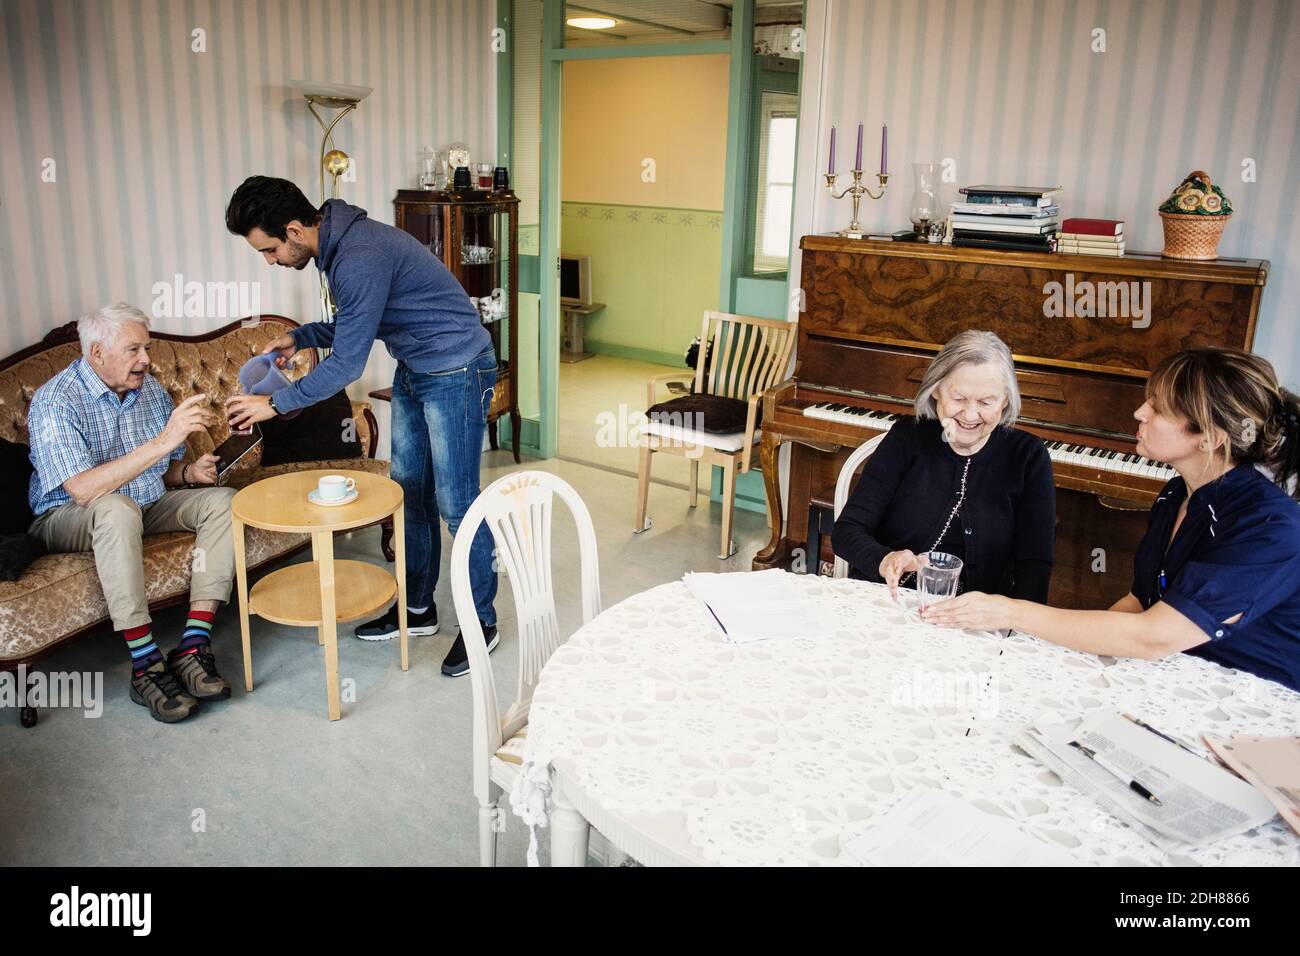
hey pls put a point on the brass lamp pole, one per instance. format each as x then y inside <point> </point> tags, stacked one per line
<point>331,96</point>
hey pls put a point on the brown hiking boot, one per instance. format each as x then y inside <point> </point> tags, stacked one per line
<point>158,689</point>
<point>197,671</point>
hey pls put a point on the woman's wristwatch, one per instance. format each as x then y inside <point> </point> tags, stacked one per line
<point>270,400</point>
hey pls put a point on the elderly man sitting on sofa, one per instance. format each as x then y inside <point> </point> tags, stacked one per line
<point>108,448</point>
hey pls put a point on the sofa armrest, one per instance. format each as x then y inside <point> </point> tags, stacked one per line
<point>367,428</point>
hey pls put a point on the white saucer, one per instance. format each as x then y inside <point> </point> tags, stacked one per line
<point>314,497</point>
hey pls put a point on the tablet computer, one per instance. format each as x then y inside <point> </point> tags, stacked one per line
<point>230,451</point>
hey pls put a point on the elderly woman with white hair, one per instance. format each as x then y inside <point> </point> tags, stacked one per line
<point>957,478</point>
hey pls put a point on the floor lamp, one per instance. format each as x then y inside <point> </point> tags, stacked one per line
<point>332,96</point>
<point>344,99</point>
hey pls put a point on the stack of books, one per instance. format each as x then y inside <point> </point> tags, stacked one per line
<point>1092,237</point>
<point>1024,218</point>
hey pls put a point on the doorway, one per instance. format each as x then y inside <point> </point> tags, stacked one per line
<point>643,169</point>
<point>571,215</point>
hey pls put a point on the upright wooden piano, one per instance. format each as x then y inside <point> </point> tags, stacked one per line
<point>875,313</point>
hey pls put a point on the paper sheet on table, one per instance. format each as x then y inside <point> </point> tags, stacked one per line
<point>1199,801</point>
<point>1270,764</point>
<point>757,605</point>
<point>934,828</point>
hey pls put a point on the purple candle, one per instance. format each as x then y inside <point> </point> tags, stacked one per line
<point>857,160</point>
<point>884,150</point>
<point>830,170</point>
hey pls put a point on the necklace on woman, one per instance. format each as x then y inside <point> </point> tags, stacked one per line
<point>956,509</point>
<point>961,496</point>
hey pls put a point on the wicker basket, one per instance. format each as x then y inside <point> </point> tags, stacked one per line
<point>1191,236</point>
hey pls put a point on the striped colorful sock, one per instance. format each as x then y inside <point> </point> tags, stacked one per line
<point>144,652</point>
<point>198,632</point>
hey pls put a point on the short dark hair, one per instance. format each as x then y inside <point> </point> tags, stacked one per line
<point>269,204</point>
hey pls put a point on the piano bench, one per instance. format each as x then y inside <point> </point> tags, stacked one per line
<point>821,521</point>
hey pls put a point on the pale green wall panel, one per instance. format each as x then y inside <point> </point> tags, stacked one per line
<point>765,298</point>
<point>529,400</point>
<point>655,269</point>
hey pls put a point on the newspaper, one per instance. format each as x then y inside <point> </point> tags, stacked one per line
<point>1172,797</point>
<point>757,605</point>
<point>1270,764</point>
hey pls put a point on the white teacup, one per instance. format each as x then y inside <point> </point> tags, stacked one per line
<point>335,487</point>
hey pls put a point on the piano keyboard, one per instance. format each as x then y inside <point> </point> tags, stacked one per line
<point>1102,459</point>
<point>851,415</point>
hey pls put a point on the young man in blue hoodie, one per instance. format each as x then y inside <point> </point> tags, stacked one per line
<point>386,285</point>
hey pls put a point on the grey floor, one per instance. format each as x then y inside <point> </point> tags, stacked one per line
<point>265,778</point>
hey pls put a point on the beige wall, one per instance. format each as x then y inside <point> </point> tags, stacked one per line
<point>616,113</point>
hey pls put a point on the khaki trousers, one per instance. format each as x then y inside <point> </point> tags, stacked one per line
<point>113,527</point>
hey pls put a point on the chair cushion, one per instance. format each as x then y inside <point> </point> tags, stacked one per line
<point>512,751</point>
<point>315,434</point>
<point>681,436</point>
<point>15,480</point>
<point>507,762</point>
<point>702,413</point>
<point>17,551</point>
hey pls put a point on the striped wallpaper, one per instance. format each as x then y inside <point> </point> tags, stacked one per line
<point>149,138</point>
<point>1011,90</point>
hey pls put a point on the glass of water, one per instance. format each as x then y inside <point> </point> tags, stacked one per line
<point>937,576</point>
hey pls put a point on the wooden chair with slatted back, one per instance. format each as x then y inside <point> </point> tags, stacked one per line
<point>748,355</point>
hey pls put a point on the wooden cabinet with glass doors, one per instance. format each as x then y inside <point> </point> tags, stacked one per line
<point>475,232</point>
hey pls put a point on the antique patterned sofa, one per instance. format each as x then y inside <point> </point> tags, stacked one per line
<point>58,597</point>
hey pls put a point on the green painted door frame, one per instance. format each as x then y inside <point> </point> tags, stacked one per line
<point>554,54</point>
<point>737,173</point>
<point>548,346</point>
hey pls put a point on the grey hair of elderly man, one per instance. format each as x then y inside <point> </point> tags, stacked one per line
<point>103,326</point>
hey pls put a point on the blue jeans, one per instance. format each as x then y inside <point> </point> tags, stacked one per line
<point>439,419</point>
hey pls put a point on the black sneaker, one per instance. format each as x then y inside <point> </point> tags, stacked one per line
<point>456,663</point>
<point>385,628</point>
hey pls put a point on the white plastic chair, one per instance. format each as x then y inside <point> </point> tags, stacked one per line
<point>517,510</point>
<point>842,484</point>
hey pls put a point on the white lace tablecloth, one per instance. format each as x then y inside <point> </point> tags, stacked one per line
<point>779,752</point>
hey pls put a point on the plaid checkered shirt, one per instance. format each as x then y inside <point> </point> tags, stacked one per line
<point>76,422</point>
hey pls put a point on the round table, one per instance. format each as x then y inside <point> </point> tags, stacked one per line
<point>325,592</point>
<point>682,748</point>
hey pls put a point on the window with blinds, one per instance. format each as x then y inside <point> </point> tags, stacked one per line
<point>774,202</point>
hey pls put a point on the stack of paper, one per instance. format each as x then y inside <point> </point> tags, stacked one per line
<point>757,605</point>
<point>1171,796</point>
<point>934,828</point>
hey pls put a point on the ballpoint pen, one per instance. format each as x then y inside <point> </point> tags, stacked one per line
<point>1116,772</point>
<point>1145,726</point>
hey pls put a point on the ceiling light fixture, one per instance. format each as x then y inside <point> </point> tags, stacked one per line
<point>591,23</point>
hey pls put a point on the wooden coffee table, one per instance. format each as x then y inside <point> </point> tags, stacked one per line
<point>325,592</point>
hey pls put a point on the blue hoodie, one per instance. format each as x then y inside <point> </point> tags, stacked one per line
<point>387,286</point>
